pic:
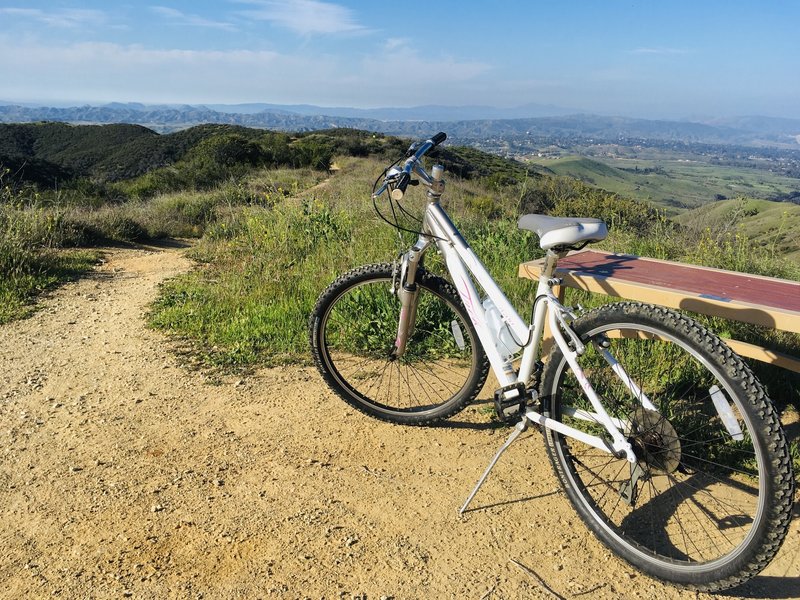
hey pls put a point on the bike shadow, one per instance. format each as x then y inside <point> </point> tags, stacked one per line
<point>487,426</point>
<point>766,587</point>
<point>507,502</point>
<point>775,587</point>
<point>490,425</point>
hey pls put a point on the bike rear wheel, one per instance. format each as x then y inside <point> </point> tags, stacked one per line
<point>353,329</point>
<point>708,503</point>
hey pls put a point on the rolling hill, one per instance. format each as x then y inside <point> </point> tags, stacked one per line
<point>50,154</point>
<point>37,151</point>
<point>675,185</point>
<point>775,225</point>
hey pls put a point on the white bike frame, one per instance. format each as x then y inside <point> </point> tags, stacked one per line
<point>464,265</point>
<point>465,269</point>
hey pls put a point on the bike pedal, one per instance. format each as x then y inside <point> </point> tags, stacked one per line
<point>510,409</point>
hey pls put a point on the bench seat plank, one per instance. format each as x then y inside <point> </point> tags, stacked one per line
<point>764,301</point>
<point>742,297</point>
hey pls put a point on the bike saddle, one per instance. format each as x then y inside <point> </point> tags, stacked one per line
<point>563,232</point>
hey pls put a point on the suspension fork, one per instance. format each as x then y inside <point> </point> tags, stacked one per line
<point>407,290</point>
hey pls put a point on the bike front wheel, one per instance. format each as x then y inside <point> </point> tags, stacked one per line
<point>708,502</point>
<point>353,328</point>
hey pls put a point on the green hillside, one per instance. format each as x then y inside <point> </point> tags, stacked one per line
<point>773,225</point>
<point>675,185</point>
<point>51,155</point>
<point>105,152</point>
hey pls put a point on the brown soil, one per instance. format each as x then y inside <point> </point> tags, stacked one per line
<point>126,474</point>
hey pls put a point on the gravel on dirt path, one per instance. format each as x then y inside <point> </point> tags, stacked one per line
<point>126,474</point>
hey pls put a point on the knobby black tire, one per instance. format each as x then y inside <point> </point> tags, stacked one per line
<point>352,331</point>
<point>711,505</point>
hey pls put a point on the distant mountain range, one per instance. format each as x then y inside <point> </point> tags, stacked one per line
<point>416,113</point>
<point>463,124</point>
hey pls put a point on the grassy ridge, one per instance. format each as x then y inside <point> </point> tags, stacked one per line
<point>66,186</point>
<point>773,225</point>
<point>674,185</point>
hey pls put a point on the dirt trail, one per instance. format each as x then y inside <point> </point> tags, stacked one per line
<point>124,474</point>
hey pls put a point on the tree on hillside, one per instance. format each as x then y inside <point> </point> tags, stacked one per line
<point>312,151</point>
<point>220,157</point>
<point>275,147</point>
<point>228,150</point>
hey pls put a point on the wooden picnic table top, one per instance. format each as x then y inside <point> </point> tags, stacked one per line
<point>743,297</point>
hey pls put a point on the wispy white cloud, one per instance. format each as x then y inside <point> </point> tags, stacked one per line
<point>306,17</point>
<point>432,79</point>
<point>108,71</point>
<point>426,69</point>
<point>179,17</point>
<point>662,51</point>
<point>64,18</point>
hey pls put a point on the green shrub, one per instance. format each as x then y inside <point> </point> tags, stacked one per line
<point>185,214</point>
<point>30,260</point>
<point>25,234</point>
<point>485,207</point>
<point>153,183</point>
<point>312,151</point>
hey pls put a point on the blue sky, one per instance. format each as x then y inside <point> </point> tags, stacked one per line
<point>670,59</point>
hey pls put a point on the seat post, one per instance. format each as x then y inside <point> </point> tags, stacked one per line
<point>551,261</point>
<point>548,270</point>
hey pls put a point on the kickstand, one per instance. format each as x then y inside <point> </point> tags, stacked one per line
<point>518,429</point>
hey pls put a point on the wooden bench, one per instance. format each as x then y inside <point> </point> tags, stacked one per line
<point>764,301</point>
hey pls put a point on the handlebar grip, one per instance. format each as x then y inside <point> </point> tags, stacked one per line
<point>439,138</point>
<point>400,187</point>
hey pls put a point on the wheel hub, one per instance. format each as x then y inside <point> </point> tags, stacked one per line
<point>655,441</point>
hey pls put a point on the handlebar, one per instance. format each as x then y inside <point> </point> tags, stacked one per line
<point>400,185</point>
<point>398,179</point>
<point>438,138</point>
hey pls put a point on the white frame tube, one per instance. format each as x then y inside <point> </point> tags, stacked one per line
<point>463,264</point>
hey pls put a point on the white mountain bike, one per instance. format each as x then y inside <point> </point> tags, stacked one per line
<point>665,443</point>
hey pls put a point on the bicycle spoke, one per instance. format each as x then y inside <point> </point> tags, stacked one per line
<point>692,497</point>
<point>432,377</point>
